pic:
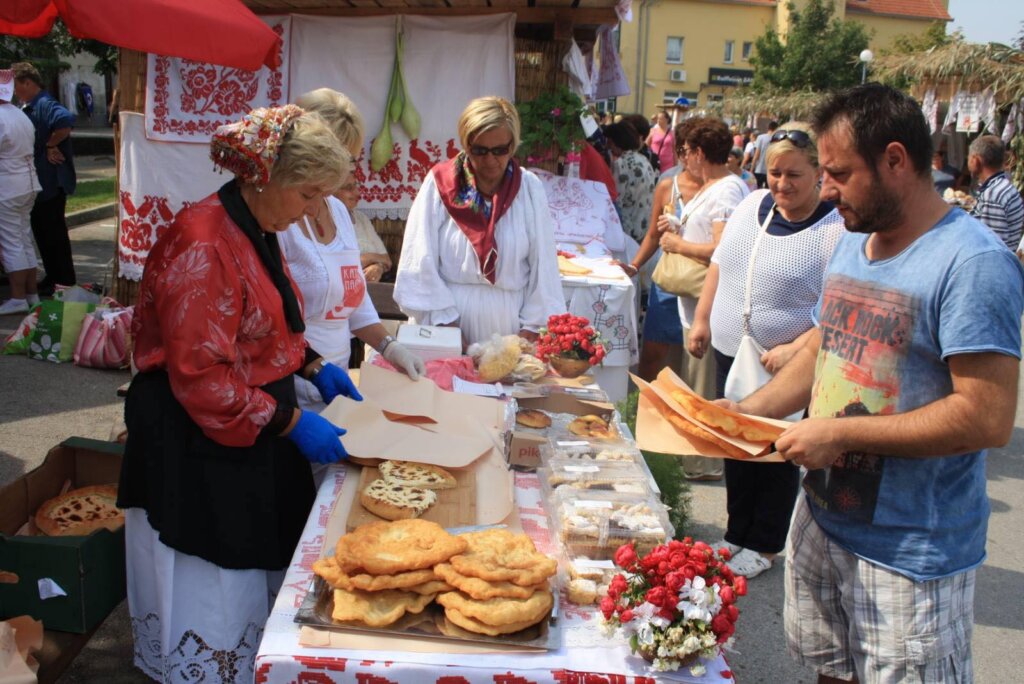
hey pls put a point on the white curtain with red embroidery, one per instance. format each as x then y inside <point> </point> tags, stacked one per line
<point>157,180</point>
<point>186,101</point>
<point>447,63</point>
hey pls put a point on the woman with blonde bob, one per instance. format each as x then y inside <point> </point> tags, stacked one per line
<point>215,482</point>
<point>786,234</point>
<point>322,251</point>
<point>479,250</point>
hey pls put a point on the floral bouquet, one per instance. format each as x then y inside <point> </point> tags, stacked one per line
<point>674,604</point>
<point>570,338</point>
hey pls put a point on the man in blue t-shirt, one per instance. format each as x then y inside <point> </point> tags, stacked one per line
<point>910,375</point>
<point>56,170</point>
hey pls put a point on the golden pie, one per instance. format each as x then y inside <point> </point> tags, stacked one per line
<point>591,426</point>
<point>532,418</point>
<point>80,512</point>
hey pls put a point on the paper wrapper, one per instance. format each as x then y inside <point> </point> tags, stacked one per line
<point>405,420</point>
<point>655,433</point>
<point>19,636</point>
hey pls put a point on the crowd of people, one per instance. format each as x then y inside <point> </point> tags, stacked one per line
<point>834,286</point>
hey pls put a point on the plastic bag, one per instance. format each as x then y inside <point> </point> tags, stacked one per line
<point>105,338</point>
<point>19,340</point>
<point>497,357</point>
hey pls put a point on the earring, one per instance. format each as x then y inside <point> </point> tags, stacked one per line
<point>259,188</point>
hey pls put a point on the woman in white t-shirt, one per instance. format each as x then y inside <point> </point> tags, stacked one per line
<point>322,252</point>
<point>18,188</point>
<point>791,234</point>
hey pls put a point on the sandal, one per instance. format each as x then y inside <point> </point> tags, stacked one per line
<point>749,563</point>
<point>733,548</point>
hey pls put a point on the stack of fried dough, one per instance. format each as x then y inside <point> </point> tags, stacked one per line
<point>490,582</point>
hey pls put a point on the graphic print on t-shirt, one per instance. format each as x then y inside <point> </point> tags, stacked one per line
<point>353,291</point>
<point>865,335</point>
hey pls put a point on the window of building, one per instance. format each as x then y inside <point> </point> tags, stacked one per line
<point>748,47</point>
<point>729,44</point>
<point>671,96</point>
<point>674,50</point>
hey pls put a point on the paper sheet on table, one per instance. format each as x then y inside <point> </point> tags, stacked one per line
<point>371,435</point>
<point>655,433</point>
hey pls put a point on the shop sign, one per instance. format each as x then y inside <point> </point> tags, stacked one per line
<point>730,77</point>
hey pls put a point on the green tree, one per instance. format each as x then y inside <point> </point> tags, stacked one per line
<point>818,53</point>
<point>934,36</point>
<point>47,53</point>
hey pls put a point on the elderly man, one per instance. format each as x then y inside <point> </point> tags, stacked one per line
<point>56,170</point>
<point>911,375</point>
<point>999,205</point>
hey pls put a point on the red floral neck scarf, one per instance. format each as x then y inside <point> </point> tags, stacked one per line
<point>470,210</point>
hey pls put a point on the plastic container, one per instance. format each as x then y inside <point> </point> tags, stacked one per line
<point>431,342</point>
<point>596,523</point>
<point>589,450</point>
<point>612,476</point>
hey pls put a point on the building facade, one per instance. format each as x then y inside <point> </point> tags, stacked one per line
<point>700,49</point>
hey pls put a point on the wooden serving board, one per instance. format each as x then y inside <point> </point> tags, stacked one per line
<point>454,508</point>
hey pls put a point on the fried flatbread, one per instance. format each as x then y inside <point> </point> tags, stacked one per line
<point>422,475</point>
<point>729,422</point>
<point>591,426</point>
<point>388,548</point>
<point>479,589</point>
<point>459,621</point>
<point>689,428</point>
<point>497,555</point>
<point>499,612</point>
<point>377,608</point>
<point>567,267</point>
<point>431,587</point>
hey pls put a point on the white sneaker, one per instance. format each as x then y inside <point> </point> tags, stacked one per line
<point>733,548</point>
<point>13,306</point>
<point>32,300</point>
<point>749,563</point>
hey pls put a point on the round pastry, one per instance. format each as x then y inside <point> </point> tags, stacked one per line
<point>532,418</point>
<point>590,426</point>
<point>80,512</point>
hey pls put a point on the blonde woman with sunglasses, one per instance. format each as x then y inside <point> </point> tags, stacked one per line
<point>479,248</point>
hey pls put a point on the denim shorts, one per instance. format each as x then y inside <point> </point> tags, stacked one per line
<point>661,324</point>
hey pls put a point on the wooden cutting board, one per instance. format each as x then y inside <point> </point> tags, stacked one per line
<point>454,507</point>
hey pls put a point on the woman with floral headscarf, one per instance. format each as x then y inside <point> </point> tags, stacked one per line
<point>215,481</point>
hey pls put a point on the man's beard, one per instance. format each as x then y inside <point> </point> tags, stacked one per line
<point>880,213</point>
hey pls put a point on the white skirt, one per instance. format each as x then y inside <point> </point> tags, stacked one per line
<point>192,620</point>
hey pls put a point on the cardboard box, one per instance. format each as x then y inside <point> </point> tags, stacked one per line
<point>431,342</point>
<point>90,570</point>
<point>523,448</point>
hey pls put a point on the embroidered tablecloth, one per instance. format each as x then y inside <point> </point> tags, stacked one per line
<point>585,657</point>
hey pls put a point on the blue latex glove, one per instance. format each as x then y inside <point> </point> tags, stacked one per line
<point>317,438</point>
<point>332,381</point>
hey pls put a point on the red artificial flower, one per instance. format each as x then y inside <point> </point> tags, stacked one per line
<point>607,607</point>
<point>657,596</point>
<point>626,615</point>
<point>740,584</point>
<point>617,586</point>
<point>733,612</point>
<point>724,553</point>
<point>720,624</point>
<point>675,581</point>
<point>728,595</point>
<point>625,556</point>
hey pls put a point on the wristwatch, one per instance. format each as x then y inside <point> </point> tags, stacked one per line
<point>388,339</point>
<point>319,366</point>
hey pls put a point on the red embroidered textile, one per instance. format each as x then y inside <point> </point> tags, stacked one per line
<point>210,315</point>
<point>457,186</point>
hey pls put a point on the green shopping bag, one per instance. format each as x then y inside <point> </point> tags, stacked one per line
<point>57,330</point>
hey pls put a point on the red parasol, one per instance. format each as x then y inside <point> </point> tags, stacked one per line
<point>222,32</point>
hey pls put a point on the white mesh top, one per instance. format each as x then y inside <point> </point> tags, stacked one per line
<point>788,275</point>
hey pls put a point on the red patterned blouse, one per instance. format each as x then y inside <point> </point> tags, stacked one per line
<point>209,314</point>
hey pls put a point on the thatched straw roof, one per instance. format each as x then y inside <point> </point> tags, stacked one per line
<point>959,65</point>
<point>792,105</point>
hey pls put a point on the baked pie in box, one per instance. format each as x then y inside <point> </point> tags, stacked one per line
<point>80,512</point>
<point>596,523</point>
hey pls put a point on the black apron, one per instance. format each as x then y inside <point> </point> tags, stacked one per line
<point>237,507</point>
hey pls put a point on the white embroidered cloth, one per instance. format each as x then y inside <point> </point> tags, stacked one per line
<point>447,63</point>
<point>582,211</point>
<point>186,101</point>
<point>157,180</point>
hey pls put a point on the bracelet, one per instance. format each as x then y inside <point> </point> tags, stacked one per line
<point>385,343</point>
<point>635,269</point>
<point>316,370</point>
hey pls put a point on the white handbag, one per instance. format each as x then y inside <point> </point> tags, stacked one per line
<point>747,374</point>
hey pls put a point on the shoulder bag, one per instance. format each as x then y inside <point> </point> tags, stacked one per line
<point>678,274</point>
<point>747,373</point>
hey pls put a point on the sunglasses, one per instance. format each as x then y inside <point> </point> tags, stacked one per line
<point>499,151</point>
<point>798,138</point>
